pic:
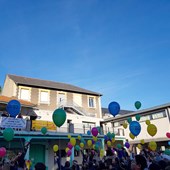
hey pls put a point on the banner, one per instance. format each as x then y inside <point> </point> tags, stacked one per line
<point>38,124</point>
<point>10,122</point>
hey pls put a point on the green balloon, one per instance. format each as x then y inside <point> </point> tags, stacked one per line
<point>137,117</point>
<point>109,135</point>
<point>119,146</point>
<point>59,117</point>
<point>129,120</point>
<point>77,147</point>
<point>167,152</point>
<point>138,104</point>
<point>44,130</point>
<point>113,135</point>
<point>8,134</point>
<point>96,147</point>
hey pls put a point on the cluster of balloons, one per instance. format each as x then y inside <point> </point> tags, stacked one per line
<point>134,126</point>
<point>2,152</point>
<point>13,108</point>
<point>109,139</point>
<point>151,129</point>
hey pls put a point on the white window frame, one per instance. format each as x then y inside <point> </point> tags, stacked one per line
<point>24,88</point>
<point>75,102</point>
<point>44,102</point>
<point>61,102</point>
<point>94,101</point>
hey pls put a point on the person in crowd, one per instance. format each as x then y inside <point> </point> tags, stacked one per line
<point>39,166</point>
<point>139,163</point>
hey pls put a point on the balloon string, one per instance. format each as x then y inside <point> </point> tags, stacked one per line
<point>60,152</point>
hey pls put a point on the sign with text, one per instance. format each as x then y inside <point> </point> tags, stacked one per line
<point>10,122</point>
<point>38,124</point>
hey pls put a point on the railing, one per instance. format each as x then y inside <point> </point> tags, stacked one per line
<point>76,107</point>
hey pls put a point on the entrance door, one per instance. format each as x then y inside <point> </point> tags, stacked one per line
<point>61,99</point>
<point>37,153</point>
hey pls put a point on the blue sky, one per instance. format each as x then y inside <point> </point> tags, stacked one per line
<point>118,48</point>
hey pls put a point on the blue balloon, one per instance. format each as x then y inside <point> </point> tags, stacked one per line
<point>88,132</point>
<point>105,137</point>
<point>135,128</point>
<point>114,108</point>
<point>13,108</point>
<point>169,143</point>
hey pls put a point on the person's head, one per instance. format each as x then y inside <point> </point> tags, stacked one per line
<point>154,166</point>
<point>139,163</point>
<point>67,164</point>
<point>39,166</point>
<point>162,164</point>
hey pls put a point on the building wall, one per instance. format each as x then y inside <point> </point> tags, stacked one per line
<point>52,105</point>
<point>9,89</point>
<point>162,124</point>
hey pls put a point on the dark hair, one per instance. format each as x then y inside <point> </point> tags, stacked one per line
<point>140,160</point>
<point>40,166</point>
<point>154,166</point>
<point>67,164</point>
<point>162,164</point>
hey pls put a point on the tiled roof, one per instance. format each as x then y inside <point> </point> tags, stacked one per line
<point>5,99</point>
<point>32,82</point>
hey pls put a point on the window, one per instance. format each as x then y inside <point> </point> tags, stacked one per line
<point>91,102</point>
<point>115,124</point>
<point>25,94</point>
<point>144,118</point>
<point>44,96</point>
<point>77,98</point>
<point>158,115</point>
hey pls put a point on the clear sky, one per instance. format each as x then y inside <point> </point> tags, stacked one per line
<point>120,48</point>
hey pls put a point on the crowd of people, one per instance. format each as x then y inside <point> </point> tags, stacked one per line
<point>120,159</point>
<point>114,159</point>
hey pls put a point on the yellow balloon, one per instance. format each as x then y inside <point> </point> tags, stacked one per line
<point>82,145</point>
<point>109,143</point>
<point>125,125</point>
<point>93,146</point>
<point>131,136</point>
<point>148,122</point>
<point>139,146</point>
<point>69,136</point>
<point>94,138</point>
<point>89,143</point>
<point>152,129</point>
<point>79,137</point>
<point>55,148</point>
<point>113,140</point>
<point>142,141</point>
<point>73,141</point>
<point>152,145</point>
<point>67,149</point>
<point>101,153</point>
